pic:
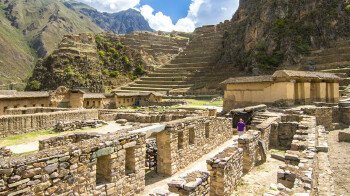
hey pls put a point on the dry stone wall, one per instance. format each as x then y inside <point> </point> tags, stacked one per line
<point>19,124</point>
<point>249,143</point>
<point>193,184</point>
<point>109,165</point>
<point>65,140</point>
<point>186,140</point>
<point>226,169</point>
<point>33,110</point>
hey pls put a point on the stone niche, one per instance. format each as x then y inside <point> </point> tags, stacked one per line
<point>186,140</point>
<point>193,184</point>
<point>226,168</point>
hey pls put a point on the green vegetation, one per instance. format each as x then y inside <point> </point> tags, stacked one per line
<point>34,85</point>
<point>347,7</point>
<point>203,102</point>
<point>267,61</point>
<point>23,138</point>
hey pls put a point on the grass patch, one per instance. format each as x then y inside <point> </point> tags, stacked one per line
<point>204,102</point>
<point>24,138</point>
<point>278,152</point>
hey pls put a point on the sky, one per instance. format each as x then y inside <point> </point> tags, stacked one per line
<point>170,15</point>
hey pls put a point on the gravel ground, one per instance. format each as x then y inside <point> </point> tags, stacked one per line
<point>339,157</point>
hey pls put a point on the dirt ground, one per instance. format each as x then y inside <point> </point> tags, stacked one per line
<point>339,157</point>
<point>258,181</point>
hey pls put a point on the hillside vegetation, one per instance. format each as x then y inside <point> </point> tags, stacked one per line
<point>96,62</point>
<point>272,34</point>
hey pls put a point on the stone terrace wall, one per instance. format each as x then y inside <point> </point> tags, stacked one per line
<point>33,110</point>
<point>324,116</point>
<point>102,166</point>
<point>225,169</point>
<point>193,184</point>
<point>65,140</point>
<point>149,117</point>
<point>19,124</point>
<point>184,141</point>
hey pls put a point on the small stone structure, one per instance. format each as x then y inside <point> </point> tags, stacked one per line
<point>193,184</point>
<point>186,140</point>
<point>71,126</point>
<point>249,142</point>
<point>344,136</point>
<point>226,168</point>
<point>19,124</point>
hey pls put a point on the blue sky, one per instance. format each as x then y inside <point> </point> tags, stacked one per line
<point>175,11</point>
<point>170,15</point>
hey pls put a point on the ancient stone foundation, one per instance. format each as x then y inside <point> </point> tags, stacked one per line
<point>193,184</point>
<point>19,124</point>
<point>225,169</point>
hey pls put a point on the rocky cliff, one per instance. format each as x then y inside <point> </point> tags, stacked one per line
<point>270,34</point>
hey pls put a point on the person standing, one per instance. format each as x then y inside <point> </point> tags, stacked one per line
<point>241,127</point>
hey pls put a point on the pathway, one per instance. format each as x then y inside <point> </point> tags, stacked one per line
<point>158,181</point>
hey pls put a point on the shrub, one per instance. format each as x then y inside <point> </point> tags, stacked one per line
<point>102,54</point>
<point>347,7</point>
<point>68,71</point>
<point>105,72</point>
<point>120,46</point>
<point>34,85</point>
<point>139,70</point>
<point>114,74</point>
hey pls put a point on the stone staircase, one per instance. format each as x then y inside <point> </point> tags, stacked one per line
<point>335,59</point>
<point>190,71</point>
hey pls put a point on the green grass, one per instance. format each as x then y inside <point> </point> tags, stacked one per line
<point>35,135</point>
<point>24,138</point>
<point>204,102</point>
<point>278,152</point>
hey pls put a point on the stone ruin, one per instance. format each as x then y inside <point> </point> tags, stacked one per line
<point>120,163</point>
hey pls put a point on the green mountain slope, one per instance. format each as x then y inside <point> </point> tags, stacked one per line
<point>16,57</point>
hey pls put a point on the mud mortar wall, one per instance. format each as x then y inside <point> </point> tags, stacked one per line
<point>77,169</point>
<point>19,124</point>
<point>184,141</point>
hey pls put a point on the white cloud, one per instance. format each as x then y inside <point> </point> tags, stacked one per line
<point>200,12</point>
<point>111,5</point>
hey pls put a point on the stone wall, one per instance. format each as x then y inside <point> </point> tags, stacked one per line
<point>193,184</point>
<point>19,124</point>
<point>226,169</point>
<point>4,152</point>
<point>249,143</point>
<point>149,117</point>
<point>109,165</point>
<point>65,140</point>
<point>324,116</point>
<point>33,110</point>
<point>186,140</point>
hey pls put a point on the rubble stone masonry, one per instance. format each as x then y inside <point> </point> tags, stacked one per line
<point>19,124</point>
<point>186,140</point>
<point>109,165</point>
<point>226,168</point>
<point>193,184</point>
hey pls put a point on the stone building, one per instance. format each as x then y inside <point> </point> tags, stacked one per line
<point>137,99</point>
<point>15,99</point>
<point>284,86</point>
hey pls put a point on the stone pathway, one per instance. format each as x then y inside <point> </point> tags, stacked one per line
<point>34,145</point>
<point>340,163</point>
<point>157,181</point>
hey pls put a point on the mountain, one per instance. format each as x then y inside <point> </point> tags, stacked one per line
<point>32,29</point>
<point>121,23</point>
<point>271,34</point>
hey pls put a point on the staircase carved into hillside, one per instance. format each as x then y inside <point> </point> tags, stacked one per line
<point>335,59</point>
<point>193,71</point>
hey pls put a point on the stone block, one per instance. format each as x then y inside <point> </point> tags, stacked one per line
<point>344,136</point>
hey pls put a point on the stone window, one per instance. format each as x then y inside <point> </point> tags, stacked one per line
<point>207,130</point>
<point>34,105</point>
<point>15,106</point>
<point>103,170</point>
<point>93,103</point>
<point>180,140</point>
<point>132,99</point>
<point>42,105</point>
<point>5,108</point>
<point>130,161</point>
<point>25,106</point>
<point>128,100</point>
<point>192,136</point>
<point>87,103</point>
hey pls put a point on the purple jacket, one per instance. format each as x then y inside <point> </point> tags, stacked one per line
<point>240,126</point>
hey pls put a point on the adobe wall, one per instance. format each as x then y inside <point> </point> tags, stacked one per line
<point>108,165</point>
<point>25,102</point>
<point>19,124</point>
<point>186,140</point>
